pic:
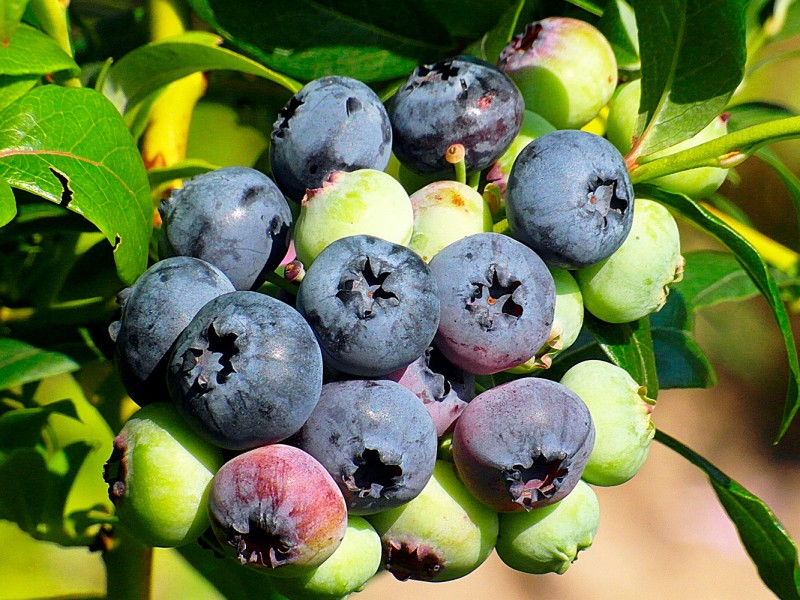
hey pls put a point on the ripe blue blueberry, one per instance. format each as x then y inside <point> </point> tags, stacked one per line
<point>497,302</point>
<point>570,198</point>
<point>332,124</point>
<point>455,101</point>
<point>235,218</point>
<point>247,371</point>
<point>372,304</point>
<point>523,444</point>
<point>155,311</point>
<point>376,440</point>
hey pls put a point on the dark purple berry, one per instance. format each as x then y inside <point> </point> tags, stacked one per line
<point>456,101</point>
<point>523,444</point>
<point>497,302</point>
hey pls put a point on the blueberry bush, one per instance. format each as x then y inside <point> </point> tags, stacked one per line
<point>314,290</point>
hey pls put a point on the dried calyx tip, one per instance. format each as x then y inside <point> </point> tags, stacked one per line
<point>455,153</point>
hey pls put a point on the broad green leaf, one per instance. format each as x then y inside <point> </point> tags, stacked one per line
<point>758,271</point>
<point>628,345</point>
<point>31,52</point>
<point>680,361</point>
<point>593,7</point>
<point>490,45</point>
<point>370,41</point>
<point>22,427</point>
<point>764,538</point>
<point>34,488</point>
<point>8,205</point>
<point>693,54</point>
<point>618,24</point>
<point>70,146</point>
<point>14,86</point>
<point>152,66</point>
<point>11,12</point>
<point>22,363</point>
<point>712,277</point>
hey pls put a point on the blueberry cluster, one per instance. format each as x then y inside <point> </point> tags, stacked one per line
<point>382,401</point>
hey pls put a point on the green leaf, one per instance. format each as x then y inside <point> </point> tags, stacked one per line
<point>680,362</point>
<point>759,273</point>
<point>490,45</point>
<point>370,41</point>
<point>11,12</point>
<point>713,277</point>
<point>185,169</point>
<point>31,52</point>
<point>630,346</point>
<point>70,146</point>
<point>693,54</point>
<point>764,538</point>
<point>618,24</point>
<point>8,204</point>
<point>14,86</point>
<point>34,489</point>
<point>152,66</point>
<point>22,363</point>
<point>22,427</point>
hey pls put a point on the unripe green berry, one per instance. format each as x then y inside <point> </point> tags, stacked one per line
<point>565,69</point>
<point>567,322</point>
<point>548,539</point>
<point>347,570</point>
<point>446,211</point>
<point>621,414</point>
<point>442,534</point>
<point>634,281</point>
<point>365,201</point>
<point>158,476</point>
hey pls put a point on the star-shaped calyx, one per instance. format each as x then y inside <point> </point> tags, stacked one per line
<point>493,297</point>
<point>366,289</point>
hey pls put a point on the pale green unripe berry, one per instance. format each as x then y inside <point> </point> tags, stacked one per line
<point>548,539</point>
<point>565,69</point>
<point>347,570</point>
<point>634,281</point>
<point>442,534</point>
<point>621,415</point>
<point>444,212</point>
<point>695,183</point>
<point>365,201</point>
<point>567,322</point>
<point>158,476</point>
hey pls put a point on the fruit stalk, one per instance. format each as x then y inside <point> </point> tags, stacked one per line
<point>726,151</point>
<point>129,567</point>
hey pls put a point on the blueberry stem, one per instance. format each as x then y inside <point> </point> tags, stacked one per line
<point>725,152</point>
<point>52,18</point>
<point>455,156</point>
<point>129,568</point>
<point>281,282</point>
